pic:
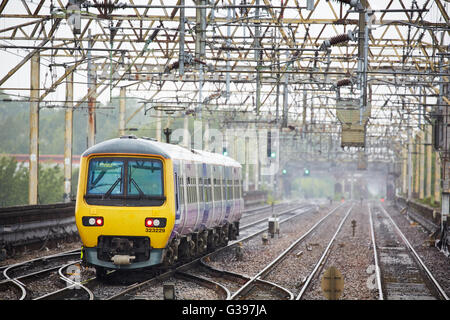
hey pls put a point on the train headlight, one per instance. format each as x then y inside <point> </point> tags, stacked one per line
<point>92,221</point>
<point>155,222</point>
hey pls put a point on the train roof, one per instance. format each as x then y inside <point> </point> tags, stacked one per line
<point>133,145</point>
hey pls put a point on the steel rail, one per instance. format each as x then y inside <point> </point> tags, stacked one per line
<point>322,258</point>
<point>191,264</point>
<point>278,259</point>
<point>19,284</point>
<point>440,290</point>
<point>250,224</point>
<point>377,267</point>
<point>204,282</point>
<point>71,283</point>
<point>237,277</point>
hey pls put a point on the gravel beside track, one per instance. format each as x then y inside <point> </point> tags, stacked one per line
<point>436,261</point>
<point>33,254</point>
<point>184,290</point>
<point>255,254</point>
<point>352,255</point>
<point>294,268</point>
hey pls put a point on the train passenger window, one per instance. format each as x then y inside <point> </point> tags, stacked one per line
<point>105,177</point>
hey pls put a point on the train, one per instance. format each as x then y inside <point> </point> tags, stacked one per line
<point>143,203</point>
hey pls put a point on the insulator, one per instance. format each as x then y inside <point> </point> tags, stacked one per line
<point>339,39</point>
<point>353,3</point>
<point>344,82</point>
<point>343,1</point>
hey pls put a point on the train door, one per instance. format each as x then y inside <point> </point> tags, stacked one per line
<point>205,192</point>
<point>183,194</point>
<point>197,205</point>
<point>178,204</point>
<point>227,190</point>
<point>234,206</point>
<point>217,195</point>
<point>223,206</point>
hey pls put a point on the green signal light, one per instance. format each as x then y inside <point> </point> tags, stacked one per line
<point>273,155</point>
<point>284,171</point>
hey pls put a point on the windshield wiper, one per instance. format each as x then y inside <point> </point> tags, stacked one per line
<point>141,193</point>
<point>110,190</point>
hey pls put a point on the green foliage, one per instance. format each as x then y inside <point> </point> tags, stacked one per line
<point>13,183</point>
<point>51,185</point>
<point>15,124</point>
<point>429,202</point>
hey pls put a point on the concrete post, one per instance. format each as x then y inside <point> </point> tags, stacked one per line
<point>422,166</point>
<point>256,167</point>
<point>429,159</point>
<point>34,129</point>
<point>247,166</point>
<point>92,80</point>
<point>158,124</point>
<point>410,167</point>
<point>186,140</point>
<point>122,109</point>
<point>68,138</point>
<point>437,178</point>
<point>416,169</point>
<point>405,171</point>
<point>206,137</point>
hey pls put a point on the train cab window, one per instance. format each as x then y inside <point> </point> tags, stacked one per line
<point>125,182</point>
<point>145,178</point>
<point>105,177</point>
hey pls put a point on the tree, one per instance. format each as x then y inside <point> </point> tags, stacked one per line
<point>51,185</point>
<point>13,182</point>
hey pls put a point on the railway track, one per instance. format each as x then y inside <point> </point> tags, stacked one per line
<point>49,277</point>
<point>401,273</point>
<point>62,284</point>
<point>187,271</point>
<point>26,278</point>
<point>323,257</point>
<point>256,287</point>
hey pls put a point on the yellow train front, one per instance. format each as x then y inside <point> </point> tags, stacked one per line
<point>134,208</point>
